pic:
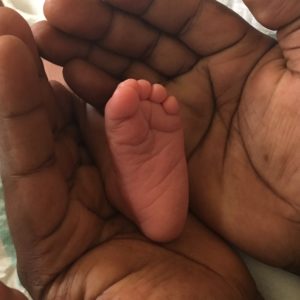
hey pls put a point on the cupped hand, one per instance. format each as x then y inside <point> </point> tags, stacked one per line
<point>239,92</point>
<point>70,243</point>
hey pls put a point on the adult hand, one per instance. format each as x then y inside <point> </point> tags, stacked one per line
<point>239,92</point>
<point>70,243</point>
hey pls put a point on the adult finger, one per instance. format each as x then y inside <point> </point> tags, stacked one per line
<point>61,48</point>
<point>86,64</point>
<point>274,14</point>
<point>199,24</point>
<point>26,148</point>
<point>11,23</point>
<point>282,15</point>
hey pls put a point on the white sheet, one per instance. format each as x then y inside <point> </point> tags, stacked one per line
<point>31,10</point>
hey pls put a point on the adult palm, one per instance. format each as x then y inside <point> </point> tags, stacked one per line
<point>70,243</point>
<point>239,92</point>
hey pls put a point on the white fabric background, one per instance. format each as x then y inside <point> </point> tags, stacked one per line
<point>32,10</point>
<point>274,284</point>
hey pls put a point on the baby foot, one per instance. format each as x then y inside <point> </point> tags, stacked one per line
<point>149,181</point>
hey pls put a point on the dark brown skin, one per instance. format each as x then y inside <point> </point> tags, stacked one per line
<point>70,243</point>
<point>10,294</point>
<point>240,100</point>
